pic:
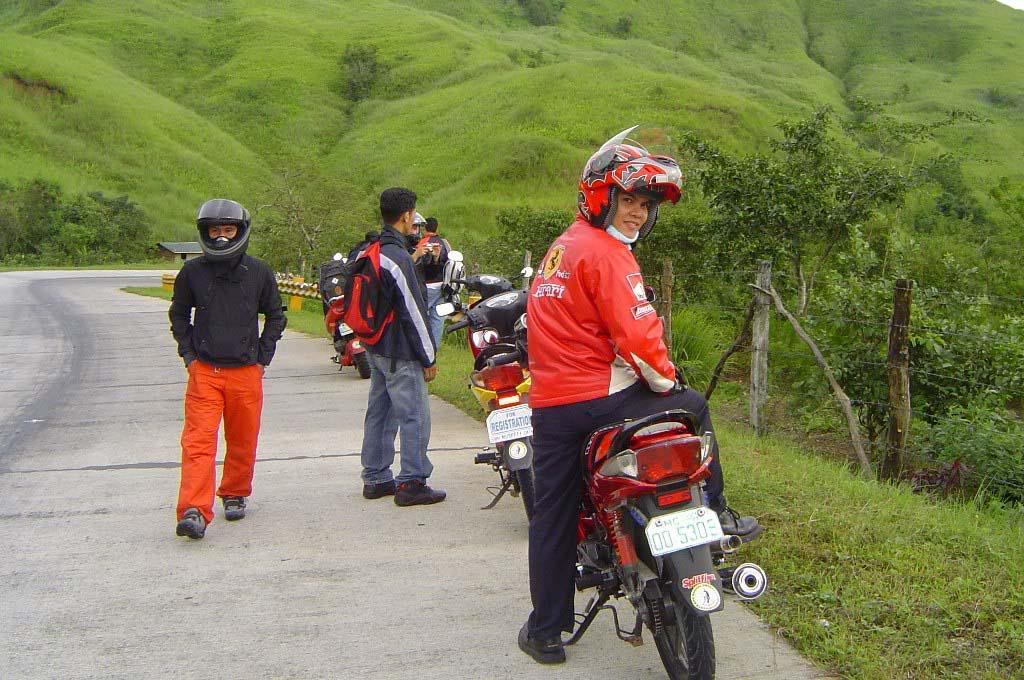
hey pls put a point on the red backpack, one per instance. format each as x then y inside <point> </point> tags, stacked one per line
<point>369,306</point>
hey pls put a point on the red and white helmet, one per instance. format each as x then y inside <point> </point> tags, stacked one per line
<point>623,165</point>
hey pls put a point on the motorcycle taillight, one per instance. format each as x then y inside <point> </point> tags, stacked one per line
<point>673,457</point>
<point>498,378</point>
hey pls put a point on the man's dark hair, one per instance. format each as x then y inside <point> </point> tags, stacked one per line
<point>394,202</point>
<point>431,225</point>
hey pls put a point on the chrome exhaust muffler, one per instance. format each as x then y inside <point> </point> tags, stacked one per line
<point>749,581</point>
<point>726,545</point>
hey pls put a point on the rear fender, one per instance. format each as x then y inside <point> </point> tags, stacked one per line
<point>512,454</point>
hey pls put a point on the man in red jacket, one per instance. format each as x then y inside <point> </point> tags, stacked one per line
<point>597,357</point>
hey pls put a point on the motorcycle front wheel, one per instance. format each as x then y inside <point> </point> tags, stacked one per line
<point>526,490</point>
<point>362,363</point>
<point>685,642</point>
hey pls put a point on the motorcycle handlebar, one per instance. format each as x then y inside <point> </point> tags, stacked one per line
<point>458,325</point>
<point>503,359</point>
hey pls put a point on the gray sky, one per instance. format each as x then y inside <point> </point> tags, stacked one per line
<point>1016,4</point>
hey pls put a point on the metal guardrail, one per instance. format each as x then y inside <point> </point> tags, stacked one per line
<point>293,286</point>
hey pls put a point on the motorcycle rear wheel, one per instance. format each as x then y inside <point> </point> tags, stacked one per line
<point>686,643</point>
<point>362,363</point>
<point>526,489</point>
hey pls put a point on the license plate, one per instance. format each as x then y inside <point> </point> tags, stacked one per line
<point>681,530</point>
<point>509,423</point>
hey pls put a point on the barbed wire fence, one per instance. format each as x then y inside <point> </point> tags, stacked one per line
<point>887,405</point>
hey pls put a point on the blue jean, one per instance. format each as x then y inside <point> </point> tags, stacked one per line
<point>436,322</point>
<point>397,403</point>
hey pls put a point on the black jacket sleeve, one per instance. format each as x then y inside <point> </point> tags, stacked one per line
<point>274,320</point>
<point>180,314</point>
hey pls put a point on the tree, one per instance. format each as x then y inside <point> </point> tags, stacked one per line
<point>797,203</point>
<point>307,216</point>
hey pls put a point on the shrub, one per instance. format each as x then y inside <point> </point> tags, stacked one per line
<point>542,12</point>
<point>985,437</point>
<point>361,69</point>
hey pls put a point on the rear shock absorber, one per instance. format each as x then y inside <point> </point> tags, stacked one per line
<point>621,541</point>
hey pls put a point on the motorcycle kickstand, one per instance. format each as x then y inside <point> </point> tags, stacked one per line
<point>596,604</point>
<point>501,492</point>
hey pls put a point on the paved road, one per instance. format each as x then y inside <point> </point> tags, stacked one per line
<point>315,583</point>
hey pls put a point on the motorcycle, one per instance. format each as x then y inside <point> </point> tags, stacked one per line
<point>348,351</point>
<point>499,382</point>
<point>645,533</point>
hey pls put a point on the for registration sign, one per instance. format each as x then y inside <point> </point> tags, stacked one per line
<point>509,423</point>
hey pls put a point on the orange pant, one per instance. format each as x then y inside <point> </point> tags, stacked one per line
<point>237,394</point>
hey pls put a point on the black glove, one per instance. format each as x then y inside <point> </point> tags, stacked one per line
<point>680,381</point>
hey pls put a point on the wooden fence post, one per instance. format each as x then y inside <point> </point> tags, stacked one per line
<point>527,259</point>
<point>759,350</point>
<point>899,381</point>
<point>665,302</point>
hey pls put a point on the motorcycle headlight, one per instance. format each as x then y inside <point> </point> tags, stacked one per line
<point>620,465</point>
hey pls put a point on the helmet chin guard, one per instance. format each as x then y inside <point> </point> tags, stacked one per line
<point>219,212</point>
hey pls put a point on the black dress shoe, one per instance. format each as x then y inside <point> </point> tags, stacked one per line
<point>415,492</point>
<point>747,528</point>
<point>379,490</point>
<point>542,651</point>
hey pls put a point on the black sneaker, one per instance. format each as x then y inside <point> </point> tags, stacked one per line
<point>234,507</point>
<point>191,524</point>
<point>542,651</point>
<point>415,492</point>
<point>379,490</point>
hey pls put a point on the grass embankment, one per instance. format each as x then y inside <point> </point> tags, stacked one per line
<point>866,579</point>
<point>89,97</point>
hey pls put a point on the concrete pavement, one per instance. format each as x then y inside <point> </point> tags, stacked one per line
<point>315,582</point>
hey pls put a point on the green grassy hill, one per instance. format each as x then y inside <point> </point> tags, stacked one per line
<point>473,105</point>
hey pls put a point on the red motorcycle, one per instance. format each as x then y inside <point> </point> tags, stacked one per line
<point>348,351</point>
<point>499,383</point>
<point>645,533</point>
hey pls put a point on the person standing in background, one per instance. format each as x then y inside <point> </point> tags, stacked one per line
<point>433,274</point>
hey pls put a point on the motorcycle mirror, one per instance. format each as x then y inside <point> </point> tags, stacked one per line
<point>651,295</point>
<point>338,256</point>
<point>527,272</point>
<point>455,256</point>
<point>445,309</point>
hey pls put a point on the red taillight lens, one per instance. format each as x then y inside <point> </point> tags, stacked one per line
<point>665,500</point>
<point>498,378</point>
<point>676,457</point>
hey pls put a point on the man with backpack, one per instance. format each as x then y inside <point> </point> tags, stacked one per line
<point>385,306</point>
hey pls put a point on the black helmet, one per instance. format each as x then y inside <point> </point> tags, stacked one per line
<point>219,211</point>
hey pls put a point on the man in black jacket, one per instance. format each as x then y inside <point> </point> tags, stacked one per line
<point>401,365</point>
<point>226,357</point>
